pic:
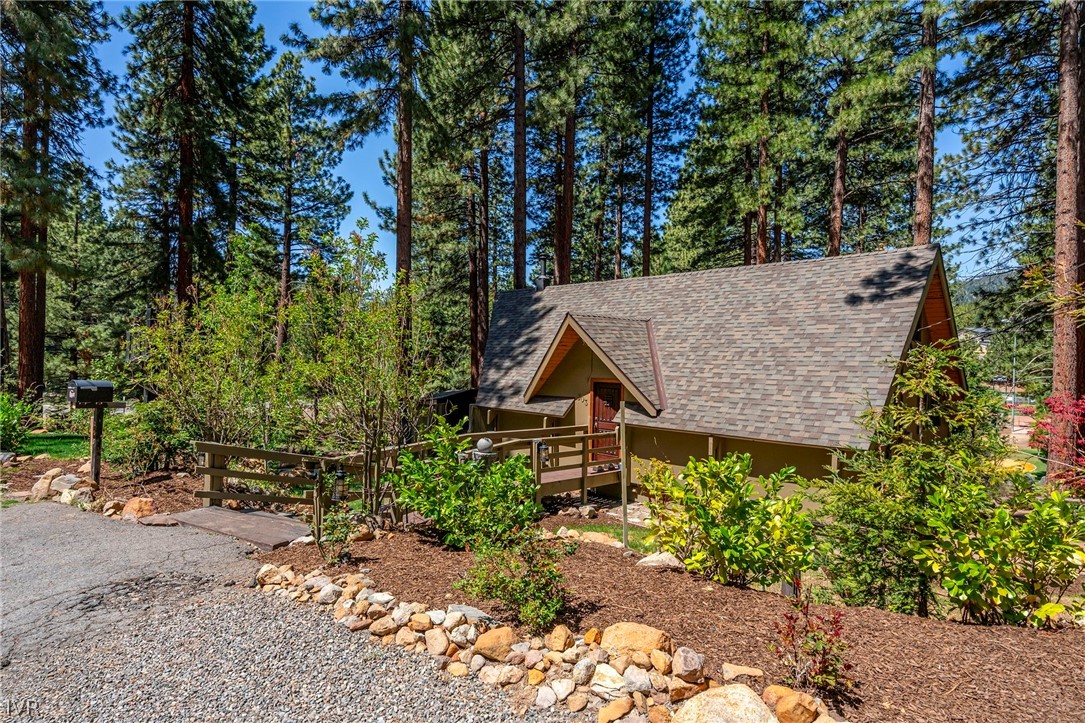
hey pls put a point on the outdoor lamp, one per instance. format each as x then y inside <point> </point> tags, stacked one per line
<point>339,489</point>
<point>544,454</point>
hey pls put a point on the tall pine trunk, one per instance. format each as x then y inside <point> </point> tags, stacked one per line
<point>519,163</point>
<point>284,268</point>
<point>619,231</point>
<point>777,229</point>
<point>187,175</point>
<point>747,218</point>
<point>1066,352</point>
<point>474,351</point>
<point>563,253</point>
<point>924,182</point>
<point>836,211</point>
<point>649,148</point>
<point>483,252</point>
<point>762,250</point>
<point>559,200</point>
<point>404,132</point>
<point>31,363</point>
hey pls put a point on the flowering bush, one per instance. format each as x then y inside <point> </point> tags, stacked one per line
<point>812,647</point>
<point>1062,414</point>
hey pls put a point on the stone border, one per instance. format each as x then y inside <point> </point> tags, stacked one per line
<point>629,671</point>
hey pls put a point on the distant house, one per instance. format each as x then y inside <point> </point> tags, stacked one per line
<point>776,360</point>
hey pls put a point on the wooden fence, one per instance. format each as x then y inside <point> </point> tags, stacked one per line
<point>547,448</point>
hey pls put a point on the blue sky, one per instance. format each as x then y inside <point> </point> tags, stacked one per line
<point>359,167</point>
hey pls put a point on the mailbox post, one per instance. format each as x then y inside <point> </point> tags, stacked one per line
<point>96,395</point>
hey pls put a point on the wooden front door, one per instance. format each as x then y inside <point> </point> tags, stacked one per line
<point>605,400</point>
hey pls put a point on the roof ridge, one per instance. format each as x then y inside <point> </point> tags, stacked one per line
<point>741,268</point>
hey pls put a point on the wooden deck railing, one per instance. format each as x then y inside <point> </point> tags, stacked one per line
<point>552,475</point>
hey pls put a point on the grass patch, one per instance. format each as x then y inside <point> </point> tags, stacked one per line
<point>57,446</point>
<point>636,534</point>
<point>1030,456</point>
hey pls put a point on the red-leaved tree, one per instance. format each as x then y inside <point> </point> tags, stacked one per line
<point>1063,413</point>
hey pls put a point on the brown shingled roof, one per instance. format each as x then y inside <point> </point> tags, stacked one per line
<point>779,352</point>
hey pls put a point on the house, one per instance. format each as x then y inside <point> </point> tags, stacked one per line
<point>776,360</point>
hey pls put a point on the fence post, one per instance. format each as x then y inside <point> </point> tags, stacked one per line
<point>584,446</point>
<point>212,483</point>
<point>536,469</point>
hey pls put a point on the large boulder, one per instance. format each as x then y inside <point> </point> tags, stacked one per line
<point>663,560</point>
<point>627,638</point>
<point>41,490</point>
<point>64,482</point>
<point>495,644</point>
<point>734,703</point>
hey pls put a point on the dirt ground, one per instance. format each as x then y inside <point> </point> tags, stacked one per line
<point>171,490</point>
<point>907,668</point>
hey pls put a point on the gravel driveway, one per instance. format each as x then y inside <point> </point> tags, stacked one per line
<point>104,620</point>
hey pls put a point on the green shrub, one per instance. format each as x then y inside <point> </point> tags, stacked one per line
<point>930,434</point>
<point>997,567</point>
<point>469,503</point>
<point>14,422</point>
<point>523,576</point>
<point>336,528</point>
<point>145,440</point>
<point>709,517</point>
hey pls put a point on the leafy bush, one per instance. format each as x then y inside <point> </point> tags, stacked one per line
<point>523,576</point>
<point>336,529</point>
<point>931,433</point>
<point>996,567</point>
<point>14,422</point>
<point>709,517</point>
<point>469,503</point>
<point>812,648</point>
<point>145,440</point>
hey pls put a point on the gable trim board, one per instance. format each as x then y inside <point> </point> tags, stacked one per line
<point>572,331</point>
<point>782,352</point>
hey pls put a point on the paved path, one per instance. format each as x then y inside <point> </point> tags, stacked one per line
<point>65,574</point>
<point>110,621</point>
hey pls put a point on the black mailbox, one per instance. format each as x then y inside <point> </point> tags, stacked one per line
<point>90,392</point>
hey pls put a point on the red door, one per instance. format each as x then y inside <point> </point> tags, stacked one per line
<point>606,398</point>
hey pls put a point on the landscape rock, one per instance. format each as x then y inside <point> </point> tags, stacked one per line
<point>405,636</point>
<point>473,615</point>
<point>76,497</point>
<point>436,617</point>
<point>316,582</point>
<point>607,678</point>
<point>510,675</point>
<point>303,540</point>
<point>41,490</point>
<point>688,665</point>
<point>64,482</point>
<point>402,614</point>
<point>113,507</point>
<point>545,698</point>
<point>50,475</point>
<point>680,690</point>
<point>577,702</point>
<point>796,707</point>
<point>535,677</point>
<point>489,674</point>
<point>139,507</point>
<point>457,669</point>
<point>563,687</point>
<point>615,709</point>
<point>477,663</point>
<point>436,641</point>
<point>381,598</point>
<point>588,511</point>
<point>620,663</point>
<point>592,637</point>
<point>453,620</point>
<point>599,537</point>
<point>624,638</point>
<point>329,594</point>
<point>84,469</point>
<point>730,672</point>
<point>637,680</point>
<point>659,714</point>
<point>661,661</point>
<point>734,703</point>
<point>532,658</point>
<point>561,639</point>
<point>495,644</point>
<point>663,560</point>
<point>383,626</point>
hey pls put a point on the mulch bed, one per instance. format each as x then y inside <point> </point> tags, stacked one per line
<point>170,492</point>
<point>908,668</point>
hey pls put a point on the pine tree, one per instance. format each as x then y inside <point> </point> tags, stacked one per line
<point>928,75</point>
<point>52,87</point>
<point>190,69</point>
<point>295,155</point>
<point>374,44</point>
